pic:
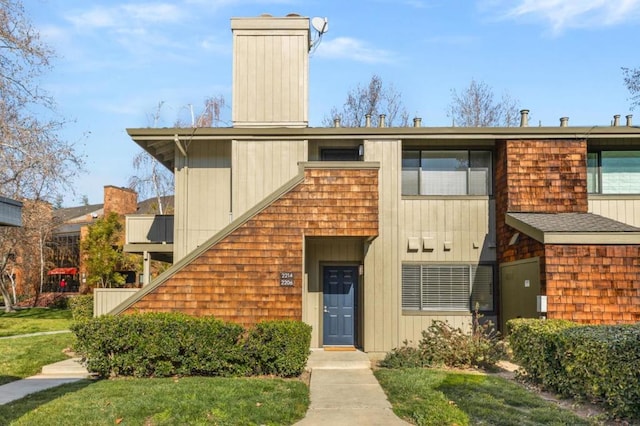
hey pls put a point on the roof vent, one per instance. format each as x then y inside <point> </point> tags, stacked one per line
<point>417,122</point>
<point>524,118</point>
<point>629,120</point>
<point>616,120</point>
<point>564,121</point>
<point>381,122</point>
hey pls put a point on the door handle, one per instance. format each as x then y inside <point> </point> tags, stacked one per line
<point>326,310</point>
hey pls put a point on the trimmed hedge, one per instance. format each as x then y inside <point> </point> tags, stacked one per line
<point>279,348</point>
<point>599,363</point>
<point>167,344</point>
<point>81,307</point>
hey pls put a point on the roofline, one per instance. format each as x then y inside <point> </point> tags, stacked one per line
<point>551,237</point>
<point>285,133</point>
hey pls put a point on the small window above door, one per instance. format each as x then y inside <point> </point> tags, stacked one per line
<point>340,154</point>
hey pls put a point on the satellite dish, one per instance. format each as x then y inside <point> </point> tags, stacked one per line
<point>321,25</point>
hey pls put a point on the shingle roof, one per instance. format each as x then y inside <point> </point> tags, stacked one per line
<point>150,205</point>
<point>69,213</point>
<point>572,222</point>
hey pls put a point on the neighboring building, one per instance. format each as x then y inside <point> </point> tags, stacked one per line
<point>73,226</point>
<point>401,227</point>
<point>10,212</point>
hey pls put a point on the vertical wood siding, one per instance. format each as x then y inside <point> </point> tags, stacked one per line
<point>202,201</point>
<point>105,299</point>
<point>261,167</point>
<point>270,87</point>
<point>461,221</point>
<point>623,209</point>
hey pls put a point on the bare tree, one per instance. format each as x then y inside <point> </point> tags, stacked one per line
<point>373,99</point>
<point>476,106</point>
<point>632,81</point>
<point>35,164</point>
<point>151,179</point>
<point>25,250</point>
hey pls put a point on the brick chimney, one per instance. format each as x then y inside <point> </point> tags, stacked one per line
<point>270,71</point>
<point>120,200</point>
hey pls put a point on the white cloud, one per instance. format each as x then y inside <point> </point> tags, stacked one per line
<point>350,48</point>
<point>564,14</point>
<point>126,16</point>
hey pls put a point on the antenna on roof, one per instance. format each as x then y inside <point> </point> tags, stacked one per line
<point>321,25</point>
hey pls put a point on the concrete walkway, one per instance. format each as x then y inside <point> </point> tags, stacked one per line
<point>67,371</point>
<point>345,392</point>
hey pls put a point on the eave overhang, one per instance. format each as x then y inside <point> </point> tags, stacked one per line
<point>630,236</point>
<point>162,143</point>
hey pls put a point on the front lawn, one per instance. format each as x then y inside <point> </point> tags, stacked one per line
<point>22,357</point>
<point>437,397</point>
<point>169,401</point>
<point>33,320</point>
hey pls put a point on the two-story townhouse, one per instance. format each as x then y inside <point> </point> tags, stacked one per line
<point>368,234</point>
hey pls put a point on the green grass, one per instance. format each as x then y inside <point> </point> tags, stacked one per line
<point>33,320</point>
<point>183,401</point>
<point>24,356</point>
<point>435,397</point>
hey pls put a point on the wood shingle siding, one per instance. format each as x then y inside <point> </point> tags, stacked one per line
<point>238,278</point>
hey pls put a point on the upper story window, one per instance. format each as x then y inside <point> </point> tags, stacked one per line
<point>613,172</point>
<point>450,172</point>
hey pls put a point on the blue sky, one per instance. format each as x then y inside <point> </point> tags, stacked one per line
<point>116,60</point>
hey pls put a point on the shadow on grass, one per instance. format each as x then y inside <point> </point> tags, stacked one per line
<point>37,313</point>
<point>492,401</point>
<point>4,379</point>
<point>16,409</point>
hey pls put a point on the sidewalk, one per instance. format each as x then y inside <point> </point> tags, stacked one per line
<point>345,392</point>
<point>67,371</point>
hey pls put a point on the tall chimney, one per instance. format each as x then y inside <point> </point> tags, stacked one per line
<point>270,71</point>
<point>629,120</point>
<point>381,121</point>
<point>524,118</point>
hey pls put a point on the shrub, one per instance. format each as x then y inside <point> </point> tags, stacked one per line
<point>166,344</point>
<point>444,345</point>
<point>279,347</point>
<point>534,344</point>
<point>81,307</point>
<point>600,363</point>
<point>160,344</point>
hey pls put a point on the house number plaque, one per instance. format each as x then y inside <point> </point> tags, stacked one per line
<point>286,279</point>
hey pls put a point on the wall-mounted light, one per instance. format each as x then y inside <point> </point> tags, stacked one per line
<point>514,239</point>
<point>360,150</point>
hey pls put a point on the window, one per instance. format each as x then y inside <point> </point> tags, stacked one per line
<point>613,172</point>
<point>340,154</point>
<point>460,172</point>
<point>447,287</point>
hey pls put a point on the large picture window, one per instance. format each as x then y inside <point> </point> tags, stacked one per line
<point>613,172</point>
<point>450,172</point>
<point>427,287</point>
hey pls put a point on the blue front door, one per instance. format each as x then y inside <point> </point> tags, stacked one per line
<point>340,285</point>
